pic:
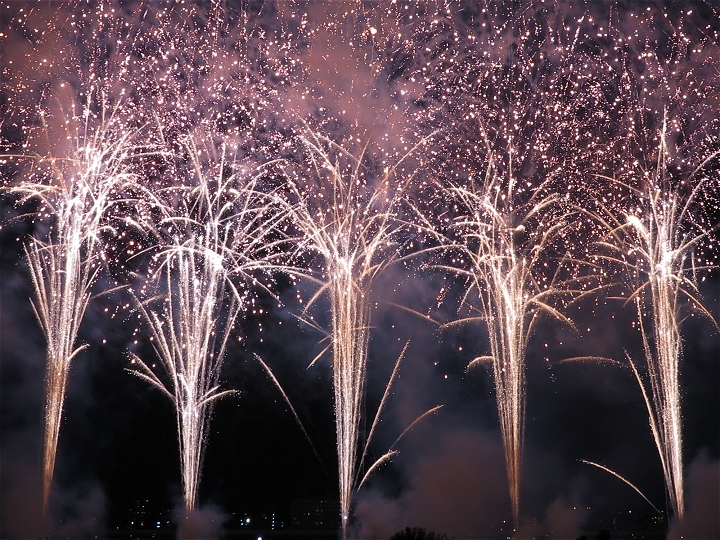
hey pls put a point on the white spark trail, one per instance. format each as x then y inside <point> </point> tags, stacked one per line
<point>77,190</point>
<point>353,228</point>
<point>616,475</point>
<point>655,243</point>
<point>503,273</point>
<point>221,236</point>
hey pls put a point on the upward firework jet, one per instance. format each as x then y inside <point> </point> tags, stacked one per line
<point>177,66</point>
<point>659,211</point>
<point>520,115</point>
<point>351,224</point>
<point>218,232</point>
<point>534,101</point>
<point>504,257</point>
<point>656,242</point>
<point>76,191</point>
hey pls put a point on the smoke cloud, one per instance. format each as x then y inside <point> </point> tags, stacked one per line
<point>702,517</point>
<point>460,489</point>
<point>80,510</point>
<point>205,522</point>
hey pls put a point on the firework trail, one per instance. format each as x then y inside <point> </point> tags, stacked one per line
<point>352,225</point>
<point>503,272</point>
<point>76,192</point>
<point>176,67</point>
<point>219,233</point>
<point>510,199</point>
<point>659,211</point>
<point>81,163</point>
<point>616,475</point>
<point>656,242</point>
<point>208,86</point>
<point>528,75</point>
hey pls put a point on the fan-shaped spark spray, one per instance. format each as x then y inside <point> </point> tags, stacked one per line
<point>215,240</point>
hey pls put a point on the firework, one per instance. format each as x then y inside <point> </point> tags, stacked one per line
<point>351,225</point>
<point>168,67</point>
<point>657,209</point>
<point>76,192</point>
<point>616,475</point>
<point>510,202</point>
<point>218,234</point>
<point>504,274</point>
<point>541,107</point>
<point>656,242</point>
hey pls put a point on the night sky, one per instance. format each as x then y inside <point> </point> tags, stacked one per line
<point>254,74</point>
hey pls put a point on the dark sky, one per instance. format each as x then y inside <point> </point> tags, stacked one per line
<point>393,86</point>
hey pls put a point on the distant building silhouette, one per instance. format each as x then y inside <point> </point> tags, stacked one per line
<point>315,514</point>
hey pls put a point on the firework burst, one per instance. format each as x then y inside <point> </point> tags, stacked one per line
<point>77,192</point>
<point>658,209</point>
<point>216,236</point>
<point>554,118</point>
<point>351,223</point>
<point>510,214</point>
<point>505,268</point>
<point>656,242</point>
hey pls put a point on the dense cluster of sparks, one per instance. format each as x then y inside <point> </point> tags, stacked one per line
<point>353,226</point>
<point>502,275</point>
<point>507,145</point>
<point>213,243</point>
<point>80,190</point>
<point>655,243</point>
